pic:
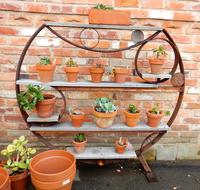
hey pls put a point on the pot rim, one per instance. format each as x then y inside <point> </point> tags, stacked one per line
<point>104,115</point>
<point>129,113</point>
<point>155,115</point>
<point>79,142</point>
<point>7,177</point>
<point>45,67</point>
<point>19,176</point>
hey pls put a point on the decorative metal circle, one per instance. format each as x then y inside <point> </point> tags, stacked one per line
<point>177,79</point>
<point>81,37</point>
<point>137,36</point>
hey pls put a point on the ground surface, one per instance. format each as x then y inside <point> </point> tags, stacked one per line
<point>179,175</point>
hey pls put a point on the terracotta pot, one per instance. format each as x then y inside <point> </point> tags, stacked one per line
<point>79,146</point>
<point>154,119</point>
<point>53,170</point>
<point>96,73</point>
<point>132,118</point>
<point>104,120</point>
<point>114,17</point>
<point>120,148</point>
<point>156,65</point>
<point>77,120</point>
<point>120,74</point>
<point>45,108</point>
<point>4,180</point>
<point>19,181</point>
<point>45,72</point>
<point>72,73</point>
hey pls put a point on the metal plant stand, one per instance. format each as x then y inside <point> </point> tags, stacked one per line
<point>154,134</point>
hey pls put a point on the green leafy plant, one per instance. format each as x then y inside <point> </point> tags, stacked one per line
<point>45,61</point>
<point>18,156</point>
<point>80,137</point>
<point>159,52</point>
<point>29,98</point>
<point>156,110</point>
<point>132,108</point>
<point>105,105</point>
<point>71,63</point>
<point>103,7</point>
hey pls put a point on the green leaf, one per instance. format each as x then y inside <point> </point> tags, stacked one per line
<point>23,165</point>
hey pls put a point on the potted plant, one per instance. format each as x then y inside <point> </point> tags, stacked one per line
<point>77,117</point>
<point>120,145</point>
<point>4,179</point>
<point>102,14</point>
<point>71,70</point>
<point>96,73</point>
<point>120,74</point>
<point>104,112</point>
<point>45,69</point>
<point>155,115</point>
<point>158,59</point>
<point>132,115</point>
<point>34,98</point>
<point>18,158</point>
<point>79,142</point>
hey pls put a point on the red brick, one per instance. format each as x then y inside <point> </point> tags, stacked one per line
<point>184,16</point>
<point>193,105</point>
<point>10,6</point>
<point>38,8</point>
<point>175,5</point>
<point>152,4</point>
<point>13,118</point>
<point>126,3</point>
<point>195,7</point>
<point>139,13</point>
<point>38,51</point>
<point>63,52</point>
<point>192,120</point>
<point>19,41</point>
<point>8,31</point>
<point>7,76</point>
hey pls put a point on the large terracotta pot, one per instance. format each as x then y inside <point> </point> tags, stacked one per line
<point>72,73</point>
<point>154,119</point>
<point>46,72</point>
<point>114,17</point>
<point>77,120</point>
<point>79,146</point>
<point>120,148</point>
<point>53,170</point>
<point>132,118</point>
<point>19,181</point>
<point>45,108</point>
<point>156,65</point>
<point>104,120</point>
<point>4,180</point>
<point>120,74</point>
<point>96,73</point>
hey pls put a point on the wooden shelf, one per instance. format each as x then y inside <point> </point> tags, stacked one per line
<point>89,126</point>
<point>102,153</point>
<point>35,118</point>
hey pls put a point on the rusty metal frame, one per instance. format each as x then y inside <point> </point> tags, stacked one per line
<point>153,137</point>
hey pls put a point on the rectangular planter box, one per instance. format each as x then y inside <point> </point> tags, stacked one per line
<point>113,17</point>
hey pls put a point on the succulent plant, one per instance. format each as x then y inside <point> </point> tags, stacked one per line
<point>80,137</point>
<point>159,51</point>
<point>105,105</point>
<point>71,63</point>
<point>45,61</point>
<point>132,108</point>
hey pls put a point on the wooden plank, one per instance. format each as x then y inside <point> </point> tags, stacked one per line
<point>103,153</point>
<point>34,118</point>
<point>89,126</point>
<point>161,76</point>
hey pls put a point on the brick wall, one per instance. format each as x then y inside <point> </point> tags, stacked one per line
<point>19,19</point>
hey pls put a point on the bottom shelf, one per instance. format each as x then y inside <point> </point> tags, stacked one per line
<point>102,153</point>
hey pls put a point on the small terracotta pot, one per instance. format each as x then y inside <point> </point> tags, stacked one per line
<point>19,181</point>
<point>114,17</point>
<point>46,72</point>
<point>77,120</point>
<point>53,170</point>
<point>96,73</point>
<point>104,120</point>
<point>120,148</point>
<point>132,118</point>
<point>72,73</point>
<point>4,180</point>
<point>45,108</point>
<point>154,119</point>
<point>120,74</point>
<point>79,146</point>
<point>156,65</point>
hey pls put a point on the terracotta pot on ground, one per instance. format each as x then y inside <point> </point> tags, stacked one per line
<point>156,65</point>
<point>96,73</point>
<point>72,73</point>
<point>77,120</point>
<point>45,108</point>
<point>104,120</point>
<point>114,17</point>
<point>132,118</point>
<point>120,148</point>
<point>154,119</point>
<point>79,146</point>
<point>4,180</point>
<point>19,181</point>
<point>120,74</point>
<point>46,72</point>
<point>53,170</point>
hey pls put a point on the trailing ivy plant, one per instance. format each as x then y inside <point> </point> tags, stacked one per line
<point>29,98</point>
<point>159,52</point>
<point>18,156</point>
<point>45,61</point>
<point>105,105</point>
<point>103,7</point>
<point>79,137</point>
<point>132,108</point>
